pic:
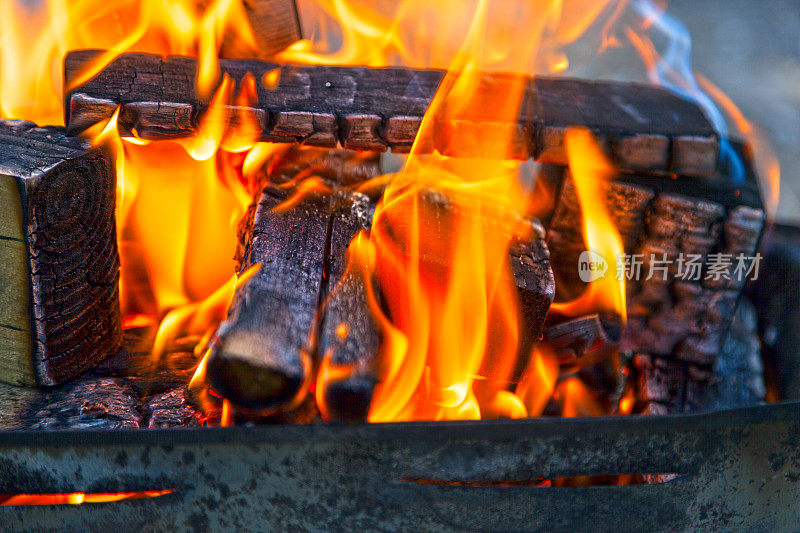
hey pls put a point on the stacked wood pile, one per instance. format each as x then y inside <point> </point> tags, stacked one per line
<point>678,318</point>
<point>304,309</point>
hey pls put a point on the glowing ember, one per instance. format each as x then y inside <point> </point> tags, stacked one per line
<point>77,498</point>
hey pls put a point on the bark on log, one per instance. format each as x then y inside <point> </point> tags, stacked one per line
<point>645,128</point>
<point>59,268</point>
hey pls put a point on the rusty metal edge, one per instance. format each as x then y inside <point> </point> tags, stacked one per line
<point>419,431</point>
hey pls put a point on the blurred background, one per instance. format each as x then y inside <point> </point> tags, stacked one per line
<point>751,50</point>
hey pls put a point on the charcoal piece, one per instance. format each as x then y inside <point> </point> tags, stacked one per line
<point>349,335</point>
<point>59,267</point>
<point>648,128</point>
<point>171,409</point>
<point>86,403</point>
<point>574,339</point>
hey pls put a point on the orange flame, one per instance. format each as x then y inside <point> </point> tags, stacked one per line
<point>590,169</point>
<point>30,69</point>
<point>78,498</point>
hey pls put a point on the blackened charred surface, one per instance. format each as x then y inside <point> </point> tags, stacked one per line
<point>349,334</point>
<point>257,477</point>
<point>86,403</point>
<point>736,379</point>
<point>172,409</point>
<point>262,353</point>
<point>678,316</point>
<point>648,128</point>
<point>533,276</point>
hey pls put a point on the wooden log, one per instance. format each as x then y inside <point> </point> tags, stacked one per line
<point>264,353</point>
<point>261,357</point>
<point>275,25</point>
<point>85,403</point>
<point>671,313</point>
<point>59,268</point>
<point>645,127</point>
<point>349,336</point>
<point>665,385</point>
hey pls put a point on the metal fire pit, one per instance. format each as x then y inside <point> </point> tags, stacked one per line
<point>737,469</point>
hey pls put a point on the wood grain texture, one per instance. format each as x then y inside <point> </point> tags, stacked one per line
<point>16,348</point>
<point>66,195</point>
<point>261,357</point>
<point>644,127</point>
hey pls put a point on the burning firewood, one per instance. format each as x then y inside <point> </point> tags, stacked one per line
<point>676,317</point>
<point>265,352</point>
<point>308,308</point>
<point>262,356</point>
<point>59,275</point>
<point>275,26</point>
<point>646,128</point>
<point>349,337</point>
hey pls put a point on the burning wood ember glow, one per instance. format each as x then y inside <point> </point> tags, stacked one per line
<point>458,281</point>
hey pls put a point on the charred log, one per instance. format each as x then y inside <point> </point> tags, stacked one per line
<point>87,403</point>
<point>676,311</point>
<point>275,25</point>
<point>172,409</point>
<point>349,336</point>
<point>59,266</point>
<point>646,128</point>
<point>665,385</point>
<point>262,355</point>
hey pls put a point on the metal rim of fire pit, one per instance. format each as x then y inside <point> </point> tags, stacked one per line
<point>737,468</point>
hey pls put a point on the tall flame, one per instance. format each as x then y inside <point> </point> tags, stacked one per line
<point>440,237</point>
<point>590,169</point>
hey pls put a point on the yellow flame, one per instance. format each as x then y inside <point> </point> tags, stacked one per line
<point>590,169</point>
<point>36,36</point>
